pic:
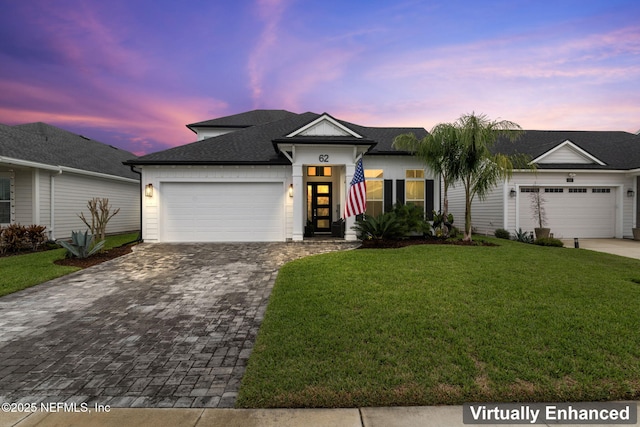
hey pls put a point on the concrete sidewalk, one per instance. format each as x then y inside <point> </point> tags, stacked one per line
<point>423,416</point>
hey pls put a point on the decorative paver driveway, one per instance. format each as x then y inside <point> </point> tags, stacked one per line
<point>166,326</point>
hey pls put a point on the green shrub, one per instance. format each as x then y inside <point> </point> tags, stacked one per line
<point>523,236</point>
<point>410,217</point>
<point>383,226</point>
<point>549,241</point>
<point>81,245</point>
<point>442,227</point>
<point>501,233</point>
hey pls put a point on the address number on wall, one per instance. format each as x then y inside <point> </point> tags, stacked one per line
<point>323,158</point>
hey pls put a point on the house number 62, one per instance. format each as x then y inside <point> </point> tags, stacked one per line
<point>323,158</point>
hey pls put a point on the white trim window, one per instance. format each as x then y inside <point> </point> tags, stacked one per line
<point>375,191</point>
<point>5,200</point>
<point>414,187</point>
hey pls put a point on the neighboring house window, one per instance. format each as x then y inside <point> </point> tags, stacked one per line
<point>529,189</point>
<point>5,200</point>
<point>318,170</point>
<point>601,190</point>
<point>414,186</point>
<point>554,190</point>
<point>577,190</point>
<point>375,191</point>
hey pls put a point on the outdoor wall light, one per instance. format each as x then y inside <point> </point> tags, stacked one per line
<point>148,190</point>
<point>630,193</point>
<point>290,190</point>
<point>512,193</point>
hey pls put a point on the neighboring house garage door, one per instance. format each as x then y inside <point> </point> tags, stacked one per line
<point>573,211</point>
<point>222,212</point>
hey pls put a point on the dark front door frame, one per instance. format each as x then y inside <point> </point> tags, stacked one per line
<point>321,206</point>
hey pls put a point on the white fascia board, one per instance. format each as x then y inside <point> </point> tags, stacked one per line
<point>320,119</point>
<point>572,146</point>
<point>60,169</point>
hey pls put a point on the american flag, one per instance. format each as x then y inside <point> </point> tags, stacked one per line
<point>357,197</point>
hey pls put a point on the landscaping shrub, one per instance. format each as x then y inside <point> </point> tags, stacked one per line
<point>35,236</point>
<point>523,236</point>
<point>442,227</point>
<point>381,227</point>
<point>411,218</point>
<point>549,241</point>
<point>81,245</point>
<point>16,237</point>
<point>501,233</point>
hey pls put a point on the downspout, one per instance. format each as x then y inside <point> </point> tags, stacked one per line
<point>139,238</point>
<point>52,204</point>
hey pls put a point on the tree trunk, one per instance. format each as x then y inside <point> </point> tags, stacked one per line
<point>467,215</point>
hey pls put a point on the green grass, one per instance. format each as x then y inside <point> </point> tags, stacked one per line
<point>427,325</point>
<point>22,271</point>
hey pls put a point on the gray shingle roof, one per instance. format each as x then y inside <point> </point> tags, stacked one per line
<point>244,120</point>
<point>254,144</point>
<point>618,150</point>
<point>43,143</point>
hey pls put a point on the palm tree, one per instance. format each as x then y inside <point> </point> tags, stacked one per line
<point>480,170</point>
<point>439,150</point>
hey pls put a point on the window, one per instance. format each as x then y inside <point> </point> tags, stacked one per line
<point>529,190</point>
<point>318,170</point>
<point>375,191</point>
<point>554,190</point>
<point>577,190</point>
<point>5,200</point>
<point>601,190</point>
<point>414,187</point>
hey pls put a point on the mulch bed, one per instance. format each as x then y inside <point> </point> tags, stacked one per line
<point>97,258</point>
<point>392,244</point>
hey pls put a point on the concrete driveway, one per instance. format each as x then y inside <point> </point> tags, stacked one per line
<point>622,247</point>
<point>166,326</point>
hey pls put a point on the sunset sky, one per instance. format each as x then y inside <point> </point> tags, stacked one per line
<point>132,73</point>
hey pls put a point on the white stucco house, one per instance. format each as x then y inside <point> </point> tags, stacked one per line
<point>47,175</point>
<point>588,180</point>
<point>262,175</point>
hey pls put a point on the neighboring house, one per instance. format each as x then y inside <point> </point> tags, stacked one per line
<point>589,181</point>
<point>262,175</point>
<point>47,175</point>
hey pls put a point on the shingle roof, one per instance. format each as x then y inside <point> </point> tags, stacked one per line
<point>255,144</point>
<point>618,150</point>
<point>43,143</point>
<point>244,120</point>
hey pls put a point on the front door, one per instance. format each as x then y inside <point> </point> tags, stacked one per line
<point>319,206</point>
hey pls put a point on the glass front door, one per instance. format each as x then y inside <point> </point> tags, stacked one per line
<point>319,206</point>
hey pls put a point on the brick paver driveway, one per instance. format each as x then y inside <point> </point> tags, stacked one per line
<point>166,326</point>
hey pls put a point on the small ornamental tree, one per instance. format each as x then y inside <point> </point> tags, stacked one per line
<point>100,216</point>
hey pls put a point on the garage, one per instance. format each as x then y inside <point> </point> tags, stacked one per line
<point>572,211</point>
<point>222,211</point>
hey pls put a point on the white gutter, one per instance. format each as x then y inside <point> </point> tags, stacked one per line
<point>61,169</point>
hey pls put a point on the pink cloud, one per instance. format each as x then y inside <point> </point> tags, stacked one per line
<point>270,13</point>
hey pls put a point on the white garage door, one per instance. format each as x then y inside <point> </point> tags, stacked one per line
<point>222,212</point>
<point>572,211</point>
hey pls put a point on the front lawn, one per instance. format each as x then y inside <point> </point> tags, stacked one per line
<point>427,325</point>
<point>22,271</point>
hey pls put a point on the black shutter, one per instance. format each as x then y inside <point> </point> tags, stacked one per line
<point>400,191</point>
<point>429,201</point>
<point>388,195</point>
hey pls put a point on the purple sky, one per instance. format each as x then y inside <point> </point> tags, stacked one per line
<point>132,73</point>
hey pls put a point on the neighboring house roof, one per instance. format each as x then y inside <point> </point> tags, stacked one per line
<point>614,150</point>
<point>255,144</point>
<point>49,145</point>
